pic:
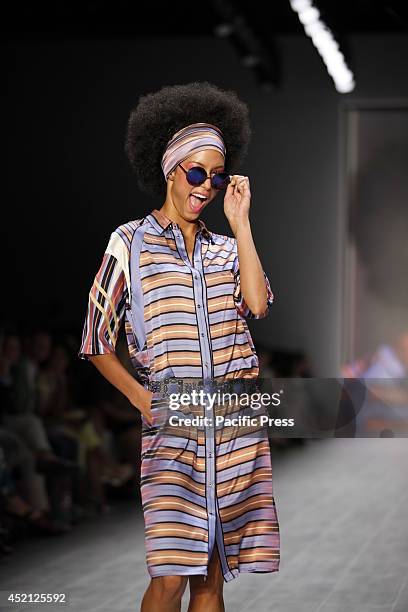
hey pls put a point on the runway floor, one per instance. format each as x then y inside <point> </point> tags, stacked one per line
<point>342,507</point>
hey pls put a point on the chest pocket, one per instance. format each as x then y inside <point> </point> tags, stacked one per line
<point>225,278</point>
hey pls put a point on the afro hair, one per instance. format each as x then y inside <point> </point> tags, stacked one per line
<point>157,117</point>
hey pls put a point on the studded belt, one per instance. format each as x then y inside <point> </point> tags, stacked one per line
<point>186,385</point>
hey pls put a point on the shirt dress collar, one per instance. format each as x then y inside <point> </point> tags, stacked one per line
<point>164,223</point>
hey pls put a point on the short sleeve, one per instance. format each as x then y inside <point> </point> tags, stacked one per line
<point>107,301</point>
<point>240,303</point>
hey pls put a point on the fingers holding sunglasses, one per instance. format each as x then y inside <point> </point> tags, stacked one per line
<point>240,182</point>
<point>237,179</point>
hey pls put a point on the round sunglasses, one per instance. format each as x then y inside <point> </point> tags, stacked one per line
<point>197,175</point>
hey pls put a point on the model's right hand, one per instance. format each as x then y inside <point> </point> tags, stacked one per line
<point>145,405</point>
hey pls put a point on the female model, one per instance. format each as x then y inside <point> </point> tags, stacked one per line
<point>185,292</point>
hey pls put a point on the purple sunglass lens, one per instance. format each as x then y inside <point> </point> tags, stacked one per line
<point>220,180</point>
<point>197,176</point>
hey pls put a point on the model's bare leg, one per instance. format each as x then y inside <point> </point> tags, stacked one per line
<point>164,594</point>
<point>206,595</point>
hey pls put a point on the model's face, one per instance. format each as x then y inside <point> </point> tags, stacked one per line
<point>189,207</point>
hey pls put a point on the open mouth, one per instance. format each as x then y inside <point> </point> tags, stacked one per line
<point>196,202</point>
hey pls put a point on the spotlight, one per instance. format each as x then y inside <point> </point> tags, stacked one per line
<point>325,44</point>
<point>249,60</point>
<point>222,30</point>
<point>250,48</point>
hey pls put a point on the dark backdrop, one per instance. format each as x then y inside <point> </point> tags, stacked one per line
<point>68,184</point>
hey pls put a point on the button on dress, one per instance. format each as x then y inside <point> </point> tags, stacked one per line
<point>186,320</point>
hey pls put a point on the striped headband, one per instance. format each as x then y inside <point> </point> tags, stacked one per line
<point>194,137</point>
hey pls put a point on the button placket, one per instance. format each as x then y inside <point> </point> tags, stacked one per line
<point>201,309</point>
<point>210,467</point>
<point>202,315</point>
<point>198,291</point>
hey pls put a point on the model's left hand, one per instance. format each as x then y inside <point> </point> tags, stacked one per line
<point>237,201</point>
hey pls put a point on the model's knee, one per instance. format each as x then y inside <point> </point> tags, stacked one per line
<point>168,588</point>
<point>211,588</point>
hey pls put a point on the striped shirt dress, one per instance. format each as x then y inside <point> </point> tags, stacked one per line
<point>185,321</point>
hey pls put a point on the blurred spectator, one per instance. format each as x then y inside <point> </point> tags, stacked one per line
<point>10,355</point>
<point>290,364</point>
<point>97,461</point>
<point>61,421</point>
<point>20,381</point>
<point>266,369</point>
<point>124,420</point>
<point>14,507</point>
<point>387,361</point>
<point>385,409</point>
<point>79,435</point>
<point>275,364</point>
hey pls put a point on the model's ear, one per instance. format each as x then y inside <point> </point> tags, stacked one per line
<point>171,176</point>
